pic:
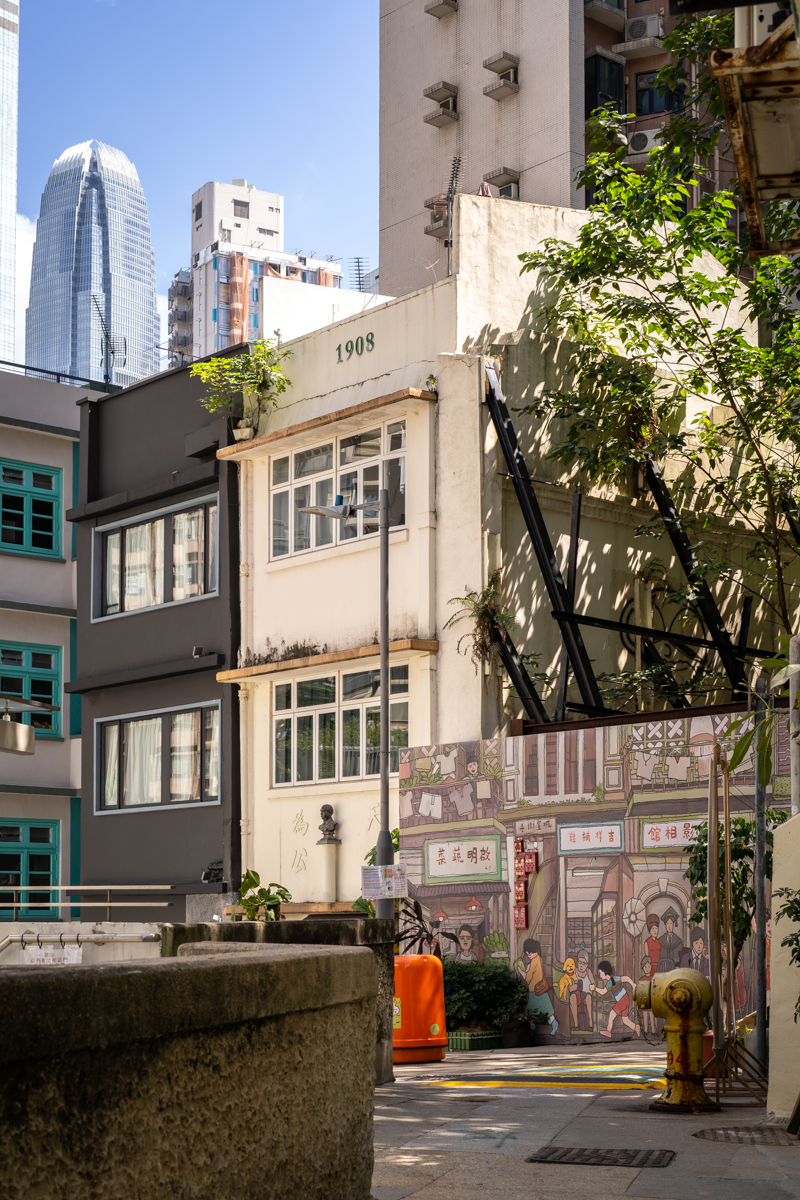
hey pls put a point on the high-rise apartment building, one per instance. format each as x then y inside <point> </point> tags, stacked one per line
<point>9,76</point>
<point>93,274</point>
<point>179,319</point>
<point>506,88</point>
<point>237,241</point>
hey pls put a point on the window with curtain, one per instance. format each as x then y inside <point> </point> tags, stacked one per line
<point>30,509</point>
<point>154,759</point>
<point>163,559</point>
<point>33,672</point>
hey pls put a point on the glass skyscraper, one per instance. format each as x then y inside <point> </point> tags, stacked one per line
<point>9,77</point>
<point>92,258</point>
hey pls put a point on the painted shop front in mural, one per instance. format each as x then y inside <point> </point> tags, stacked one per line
<point>562,855</point>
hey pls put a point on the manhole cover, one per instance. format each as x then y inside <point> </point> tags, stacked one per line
<point>603,1158</point>
<point>757,1135</point>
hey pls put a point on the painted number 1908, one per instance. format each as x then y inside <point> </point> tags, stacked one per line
<point>355,347</point>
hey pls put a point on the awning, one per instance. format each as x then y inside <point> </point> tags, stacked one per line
<point>423,891</point>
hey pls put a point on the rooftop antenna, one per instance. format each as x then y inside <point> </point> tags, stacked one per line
<point>451,191</point>
<point>112,346</point>
<point>358,273</point>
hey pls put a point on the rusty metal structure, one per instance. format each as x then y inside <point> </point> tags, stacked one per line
<point>681,999</point>
<point>760,88</point>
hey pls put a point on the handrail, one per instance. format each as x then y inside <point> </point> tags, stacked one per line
<point>78,938</point>
<point>96,384</point>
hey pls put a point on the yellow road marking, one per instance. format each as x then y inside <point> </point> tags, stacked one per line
<point>654,1085</point>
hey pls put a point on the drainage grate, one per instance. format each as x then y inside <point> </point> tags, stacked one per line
<point>603,1158</point>
<point>756,1135</point>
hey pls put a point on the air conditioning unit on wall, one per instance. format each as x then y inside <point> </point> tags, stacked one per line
<point>643,141</point>
<point>642,27</point>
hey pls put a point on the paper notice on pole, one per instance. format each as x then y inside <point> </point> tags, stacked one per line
<point>50,956</point>
<point>383,883</point>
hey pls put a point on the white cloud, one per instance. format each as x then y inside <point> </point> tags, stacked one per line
<point>26,235</point>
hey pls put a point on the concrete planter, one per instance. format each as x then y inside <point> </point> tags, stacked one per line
<point>243,435</point>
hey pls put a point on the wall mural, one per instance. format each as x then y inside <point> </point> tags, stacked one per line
<point>562,855</point>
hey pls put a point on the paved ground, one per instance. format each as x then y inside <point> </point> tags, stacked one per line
<point>468,1140</point>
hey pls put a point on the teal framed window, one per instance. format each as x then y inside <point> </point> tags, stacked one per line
<point>34,673</point>
<point>30,509</point>
<point>28,869</point>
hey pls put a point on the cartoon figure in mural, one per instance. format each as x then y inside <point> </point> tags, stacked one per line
<point>671,944</point>
<point>622,1002</point>
<point>652,946</point>
<point>580,992</point>
<point>648,1020</point>
<point>469,948</point>
<point>531,967</point>
<point>568,976</point>
<point>696,956</point>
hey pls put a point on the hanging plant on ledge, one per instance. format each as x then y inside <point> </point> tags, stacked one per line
<point>254,379</point>
<point>483,608</point>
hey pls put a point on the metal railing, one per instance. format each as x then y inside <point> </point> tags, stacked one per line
<point>81,889</point>
<point>96,385</point>
<point>76,939</point>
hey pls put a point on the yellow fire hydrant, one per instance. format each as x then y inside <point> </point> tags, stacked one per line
<point>681,998</point>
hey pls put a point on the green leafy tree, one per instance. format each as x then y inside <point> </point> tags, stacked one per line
<point>791,909</point>
<point>743,896</point>
<point>251,381</point>
<point>663,306</point>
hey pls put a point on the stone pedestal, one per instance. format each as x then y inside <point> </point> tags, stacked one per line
<point>328,849</point>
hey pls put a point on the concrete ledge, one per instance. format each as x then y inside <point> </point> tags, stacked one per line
<point>236,1074</point>
<point>53,1013</point>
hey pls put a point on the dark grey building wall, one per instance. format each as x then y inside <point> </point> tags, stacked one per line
<point>149,447</point>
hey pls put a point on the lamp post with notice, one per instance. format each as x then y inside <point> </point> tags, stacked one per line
<point>384,851</point>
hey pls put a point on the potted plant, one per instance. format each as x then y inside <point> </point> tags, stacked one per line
<point>260,903</point>
<point>254,379</point>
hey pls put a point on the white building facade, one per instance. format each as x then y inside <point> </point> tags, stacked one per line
<point>395,398</point>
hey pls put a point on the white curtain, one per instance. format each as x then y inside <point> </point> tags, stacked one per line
<point>144,565</point>
<point>211,753</point>
<point>188,566</point>
<point>141,762</point>
<point>184,756</point>
<point>111,765</point>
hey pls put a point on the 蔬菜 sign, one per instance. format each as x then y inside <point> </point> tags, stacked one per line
<point>463,859</point>
<point>658,834</point>
<point>355,346</point>
<point>589,838</point>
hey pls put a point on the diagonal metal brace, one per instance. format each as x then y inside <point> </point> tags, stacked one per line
<point>694,572</point>
<point>523,684</point>
<point>540,539</point>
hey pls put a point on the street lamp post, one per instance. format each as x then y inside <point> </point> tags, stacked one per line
<point>384,850</point>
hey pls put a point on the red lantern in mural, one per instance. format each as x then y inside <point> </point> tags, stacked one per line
<point>473,905</point>
<point>519,866</point>
<point>520,891</point>
<point>441,915</point>
<point>519,845</point>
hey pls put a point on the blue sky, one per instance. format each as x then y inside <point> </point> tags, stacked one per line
<point>284,95</point>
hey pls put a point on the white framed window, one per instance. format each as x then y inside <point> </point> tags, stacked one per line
<point>328,729</point>
<point>165,557</point>
<point>353,467</point>
<point>158,759</point>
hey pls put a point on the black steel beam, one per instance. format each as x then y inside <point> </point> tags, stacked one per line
<point>540,539</point>
<point>741,643</point>
<point>572,570</point>
<point>523,684</point>
<point>656,635</point>
<point>654,659</point>
<point>693,571</point>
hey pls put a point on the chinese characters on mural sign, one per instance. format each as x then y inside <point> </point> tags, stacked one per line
<point>577,839</point>
<point>470,856</point>
<point>531,826</point>
<point>679,832</point>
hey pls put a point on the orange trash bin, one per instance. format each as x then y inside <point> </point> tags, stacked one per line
<point>419,1033</point>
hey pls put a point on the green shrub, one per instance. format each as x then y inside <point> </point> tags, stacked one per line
<point>483,996</point>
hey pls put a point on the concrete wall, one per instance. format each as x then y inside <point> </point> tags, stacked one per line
<point>249,1075</point>
<point>784,1031</point>
<point>296,308</point>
